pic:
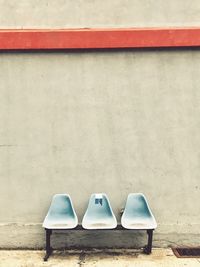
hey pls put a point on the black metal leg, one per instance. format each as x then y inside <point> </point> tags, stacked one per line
<point>48,244</point>
<point>148,248</point>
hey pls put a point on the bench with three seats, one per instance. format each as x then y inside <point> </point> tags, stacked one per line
<point>99,216</point>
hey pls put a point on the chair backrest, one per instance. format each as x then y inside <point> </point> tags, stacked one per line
<point>137,205</point>
<point>99,206</point>
<point>61,204</point>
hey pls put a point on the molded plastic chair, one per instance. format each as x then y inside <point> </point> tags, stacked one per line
<point>61,214</point>
<point>99,214</point>
<point>137,214</point>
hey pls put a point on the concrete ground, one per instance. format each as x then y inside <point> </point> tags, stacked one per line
<point>95,258</point>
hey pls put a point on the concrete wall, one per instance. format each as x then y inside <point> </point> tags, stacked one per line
<point>82,122</point>
<point>96,13</point>
<point>114,122</point>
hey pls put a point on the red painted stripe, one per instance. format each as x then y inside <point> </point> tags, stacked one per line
<point>99,38</point>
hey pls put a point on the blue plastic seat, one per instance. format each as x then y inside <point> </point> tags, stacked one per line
<point>137,214</point>
<point>99,214</point>
<point>61,214</point>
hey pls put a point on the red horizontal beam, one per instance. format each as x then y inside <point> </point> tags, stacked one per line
<point>99,38</point>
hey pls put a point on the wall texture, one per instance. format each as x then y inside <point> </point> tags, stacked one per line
<point>95,13</point>
<point>114,122</point>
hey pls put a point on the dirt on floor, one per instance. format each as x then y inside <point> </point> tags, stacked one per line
<point>95,258</point>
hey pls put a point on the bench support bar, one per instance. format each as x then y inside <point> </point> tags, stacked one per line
<point>147,249</point>
<point>48,244</point>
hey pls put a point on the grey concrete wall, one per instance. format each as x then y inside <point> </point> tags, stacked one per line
<point>114,122</point>
<point>95,13</point>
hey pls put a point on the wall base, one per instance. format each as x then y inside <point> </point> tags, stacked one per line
<point>32,236</point>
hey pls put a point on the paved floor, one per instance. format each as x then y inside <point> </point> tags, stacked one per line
<point>95,258</point>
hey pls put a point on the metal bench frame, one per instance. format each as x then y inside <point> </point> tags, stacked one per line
<point>147,249</point>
